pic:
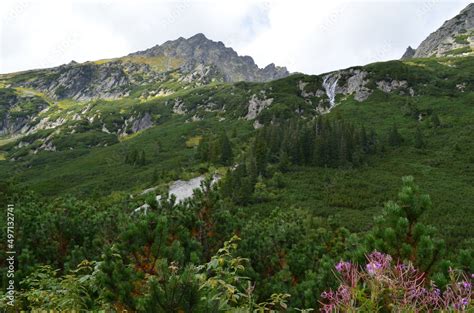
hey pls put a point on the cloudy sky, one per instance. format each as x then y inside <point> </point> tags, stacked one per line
<point>306,36</point>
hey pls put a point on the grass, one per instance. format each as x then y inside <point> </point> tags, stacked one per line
<point>193,141</point>
<point>75,171</point>
<point>459,51</point>
<point>158,63</point>
<point>7,140</point>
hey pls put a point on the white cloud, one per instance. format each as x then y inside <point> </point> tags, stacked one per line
<point>306,36</point>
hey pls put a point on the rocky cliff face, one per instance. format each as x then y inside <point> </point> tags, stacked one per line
<point>454,37</point>
<point>17,112</point>
<point>87,81</point>
<point>198,50</point>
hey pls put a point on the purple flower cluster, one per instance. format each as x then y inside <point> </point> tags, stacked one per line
<point>349,273</point>
<point>341,298</point>
<point>378,263</point>
<point>407,288</point>
<point>343,266</point>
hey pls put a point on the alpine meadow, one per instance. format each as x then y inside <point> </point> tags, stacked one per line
<point>184,178</point>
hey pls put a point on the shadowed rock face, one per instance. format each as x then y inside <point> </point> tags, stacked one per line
<point>409,53</point>
<point>455,33</point>
<point>198,50</point>
<point>17,112</point>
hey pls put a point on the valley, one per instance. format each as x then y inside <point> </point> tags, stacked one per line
<point>293,174</point>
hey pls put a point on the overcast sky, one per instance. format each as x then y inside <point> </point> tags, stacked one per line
<point>306,36</point>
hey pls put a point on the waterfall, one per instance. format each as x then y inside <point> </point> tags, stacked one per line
<point>330,84</point>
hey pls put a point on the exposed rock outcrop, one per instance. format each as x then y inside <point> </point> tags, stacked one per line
<point>135,124</point>
<point>142,123</point>
<point>178,106</point>
<point>346,82</point>
<point>353,81</point>
<point>18,112</point>
<point>82,81</point>
<point>256,105</point>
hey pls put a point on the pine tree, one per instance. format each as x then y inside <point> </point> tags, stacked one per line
<point>399,232</point>
<point>202,152</point>
<point>435,120</point>
<point>260,153</point>
<point>157,148</point>
<point>394,137</point>
<point>132,157</point>
<point>343,151</point>
<point>372,142</point>
<point>283,161</point>
<point>141,159</point>
<point>419,141</point>
<point>238,185</point>
<point>226,150</point>
<point>364,141</point>
<point>214,151</point>
<point>155,176</point>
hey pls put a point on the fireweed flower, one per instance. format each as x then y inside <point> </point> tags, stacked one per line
<point>466,285</point>
<point>405,286</point>
<point>373,268</point>
<point>343,266</point>
<point>344,293</point>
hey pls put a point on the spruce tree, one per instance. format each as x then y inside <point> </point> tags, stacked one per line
<point>435,120</point>
<point>419,141</point>
<point>364,141</point>
<point>283,161</point>
<point>260,153</point>
<point>226,150</point>
<point>372,142</point>
<point>142,158</point>
<point>155,176</point>
<point>202,152</point>
<point>394,137</point>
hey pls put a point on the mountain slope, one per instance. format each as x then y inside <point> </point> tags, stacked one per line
<point>455,36</point>
<point>67,144</point>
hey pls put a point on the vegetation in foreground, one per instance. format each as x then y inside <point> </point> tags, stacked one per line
<point>175,257</point>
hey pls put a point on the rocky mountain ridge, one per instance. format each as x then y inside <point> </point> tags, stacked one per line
<point>454,37</point>
<point>200,50</point>
<point>182,63</point>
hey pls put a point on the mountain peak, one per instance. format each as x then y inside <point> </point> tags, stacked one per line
<point>409,53</point>
<point>454,37</point>
<point>198,36</point>
<point>198,49</point>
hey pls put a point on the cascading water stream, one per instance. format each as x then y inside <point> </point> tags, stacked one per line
<point>330,84</point>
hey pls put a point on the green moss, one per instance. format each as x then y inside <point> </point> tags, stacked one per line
<point>462,39</point>
<point>459,51</point>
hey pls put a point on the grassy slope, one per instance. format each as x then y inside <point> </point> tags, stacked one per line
<point>102,170</point>
<point>444,169</point>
